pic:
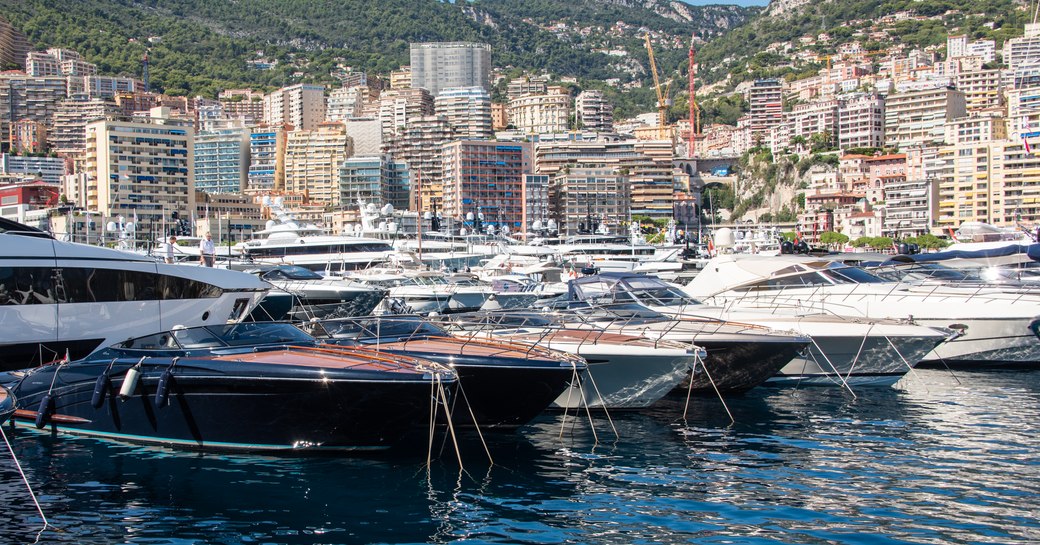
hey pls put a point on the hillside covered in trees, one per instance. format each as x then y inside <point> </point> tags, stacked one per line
<point>200,47</point>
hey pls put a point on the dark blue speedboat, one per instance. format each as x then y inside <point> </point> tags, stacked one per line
<point>505,384</point>
<point>243,387</point>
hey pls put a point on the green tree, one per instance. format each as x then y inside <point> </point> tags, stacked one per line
<point>833,239</point>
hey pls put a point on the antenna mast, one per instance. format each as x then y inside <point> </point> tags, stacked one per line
<point>692,146</point>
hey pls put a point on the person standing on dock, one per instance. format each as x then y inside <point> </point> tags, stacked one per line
<point>170,245</point>
<point>207,251</point>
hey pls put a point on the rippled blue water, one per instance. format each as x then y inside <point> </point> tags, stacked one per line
<point>940,459</point>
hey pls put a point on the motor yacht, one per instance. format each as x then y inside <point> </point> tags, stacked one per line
<point>59,298</point>
<point>994,327</point>
<point>504,385</point>
<point>844,351</point>
<point>625,371</point>
<point>314,296</point>
<point>738,356</point>
<point>252,387</point>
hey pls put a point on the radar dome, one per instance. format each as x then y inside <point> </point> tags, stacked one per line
<point>724,237</point>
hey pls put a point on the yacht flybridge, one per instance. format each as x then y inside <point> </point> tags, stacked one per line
<point>62,297</point>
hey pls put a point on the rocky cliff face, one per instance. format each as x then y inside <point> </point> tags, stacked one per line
<point>769,186</point>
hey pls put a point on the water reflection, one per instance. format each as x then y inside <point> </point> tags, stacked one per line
<point>933,461</point>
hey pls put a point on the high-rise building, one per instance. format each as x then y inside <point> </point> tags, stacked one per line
<point>26,97</point>
<point>266,159</point>
<point>861,121</point>
<point>818,119</point>
<point>594,112</point>
<point>437,66</point>
<point>48,169</point>
<point>765,99</point>
<point>499,116</point>
<point>313,159</point>
<point>919,117</point>
<point>590,199</point>
<point>222,160</point>
<point>910,208</point>
<point>103,86</point>
<point>58,62</point>
<point>375,179</point>
<point>301,105</point>
<point>1023,49</point>
<point>14,46</point>
<point>647,164</point>
<point>526,85</point>
<point>401,79</point>
<point>69,123</point>
<point>347,102</point>
<point>1023,111</point>
<point>367,135</point>
<point>486,177</point>
<point>983,89</point>
<point>244,104</point>
<point>396,109</point>
<point>996,182</point>
<point>468,111</point>
<point>420,145</point>
<point>28,136</point>
<point>541,114</point>
<point>143,166</point>
<point>983,127</point>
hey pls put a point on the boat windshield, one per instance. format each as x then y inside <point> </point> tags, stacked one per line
<point>290,272</point>
<point>629,312</point>
<point>245,334</point>
<point>645,290</point>
<point>922,271</point>
<point>381,329</point>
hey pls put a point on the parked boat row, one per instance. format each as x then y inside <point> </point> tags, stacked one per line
<point>188,356</point>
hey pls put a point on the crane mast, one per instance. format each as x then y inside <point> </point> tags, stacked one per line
<point>662,100</point>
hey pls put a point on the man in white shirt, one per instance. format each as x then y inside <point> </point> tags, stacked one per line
<point>207,250</point>
<point>170,256</point>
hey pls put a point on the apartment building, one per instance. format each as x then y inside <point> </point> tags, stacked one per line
<point>301,105</point>
<point>222,160</point>
<point>910,208</point>
<point>594,112</point>
<point>313,159</point>
<point>765,99</point>
<point>587,199</point>
<point>468,111</point>
<point>28,97</point>
<point>861,121</point>
<point>143,166</point>
<point>375,180</point>
<point>983,89</point>
<point>436,66</point>
<point>421,146</point>
<point>266,171</point>
<point>982,127</point>
<point>919,117</point>
<point>539,114</point>
<point>486,177</point>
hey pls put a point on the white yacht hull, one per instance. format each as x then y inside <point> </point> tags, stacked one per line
<point>623,380</point>
<point>856,361</point>
<point>992,341</point>
<point>468,300</point>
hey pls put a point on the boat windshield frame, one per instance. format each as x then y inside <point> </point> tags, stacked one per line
<point>245,334</point>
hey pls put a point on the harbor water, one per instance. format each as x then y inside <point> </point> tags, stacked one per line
<point>941,458</point>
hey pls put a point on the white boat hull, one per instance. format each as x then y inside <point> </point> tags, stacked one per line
<point>623,381</point>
